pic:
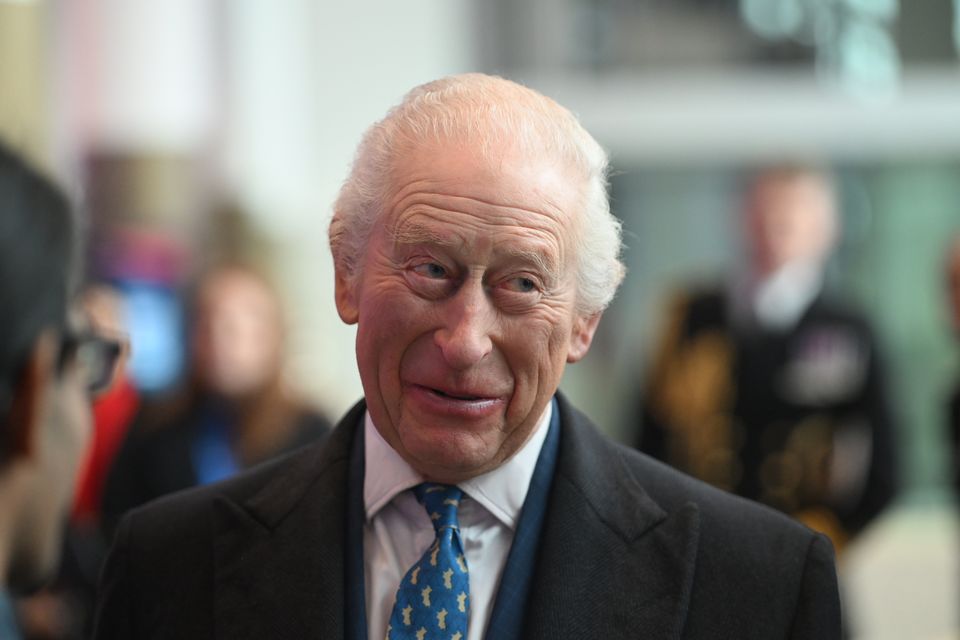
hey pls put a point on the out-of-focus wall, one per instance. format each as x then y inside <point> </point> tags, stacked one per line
<point>170,111</point>
<point>24,67</point>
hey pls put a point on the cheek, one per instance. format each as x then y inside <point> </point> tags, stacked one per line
<point>391,320</point>
<point>387,315</point>
<point>76,422</point>
<point>538,347</point>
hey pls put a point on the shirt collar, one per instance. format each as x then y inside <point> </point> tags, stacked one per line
<point>781,299</point>
<point>500,491</point>
<point>778,301</point>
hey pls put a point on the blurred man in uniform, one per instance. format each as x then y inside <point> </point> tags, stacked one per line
<point>770,388</point>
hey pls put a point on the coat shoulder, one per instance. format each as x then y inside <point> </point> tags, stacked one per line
<point>168,553</point>
<point>752,567</point>
<point>758,534</point>
<point>722,514</point>
<point>756,568</point>
<point>266,492</point>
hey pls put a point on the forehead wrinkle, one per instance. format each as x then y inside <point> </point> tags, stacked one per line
<point>413,232</point>
<point>416,194</point>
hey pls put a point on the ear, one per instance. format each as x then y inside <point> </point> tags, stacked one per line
<point>29,395</point>
<point>581,336</point>
<point>346,296</point>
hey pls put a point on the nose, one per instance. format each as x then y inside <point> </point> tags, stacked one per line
<point>467,319</point>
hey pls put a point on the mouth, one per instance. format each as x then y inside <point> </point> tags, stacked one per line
<point>461,402</point>
<point>456,396</point>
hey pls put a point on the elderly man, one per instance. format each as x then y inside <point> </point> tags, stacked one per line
<point>464,497</point>
<point>48,367</point>
<point>770,387</point>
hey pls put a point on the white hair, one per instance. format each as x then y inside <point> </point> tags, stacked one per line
<point>490,112</point>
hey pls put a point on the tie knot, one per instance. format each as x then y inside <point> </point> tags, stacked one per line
<point>441,502</point>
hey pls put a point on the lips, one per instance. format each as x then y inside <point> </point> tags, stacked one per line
<point>455,402</point>
<point>455,395</point>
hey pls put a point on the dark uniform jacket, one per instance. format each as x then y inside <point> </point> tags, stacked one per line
<point>796,418</point>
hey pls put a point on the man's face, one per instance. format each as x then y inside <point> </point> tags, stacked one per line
<point>64,431</point>
<point>466,307</point>
<point>238,336</point>
<point>789,219</point>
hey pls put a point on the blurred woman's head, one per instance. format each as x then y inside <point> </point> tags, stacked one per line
<point>238,334</point>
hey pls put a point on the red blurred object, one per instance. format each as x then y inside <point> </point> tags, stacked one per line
<point>112,414</point>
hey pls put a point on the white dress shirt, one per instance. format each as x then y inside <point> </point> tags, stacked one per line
<point>397,530</point>
<point>778,301</point>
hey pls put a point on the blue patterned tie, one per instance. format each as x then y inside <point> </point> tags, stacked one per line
<point>433,600</point>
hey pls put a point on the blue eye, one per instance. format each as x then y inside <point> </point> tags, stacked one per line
<point>431,270</point>
<point>522,285</point>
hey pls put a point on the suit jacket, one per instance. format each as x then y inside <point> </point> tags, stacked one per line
<point>630,549</point>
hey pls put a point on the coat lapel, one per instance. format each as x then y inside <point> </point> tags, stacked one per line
<point>612,563</point>
<point>279,555</point>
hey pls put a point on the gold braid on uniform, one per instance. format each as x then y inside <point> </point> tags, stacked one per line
<point>691,391</point>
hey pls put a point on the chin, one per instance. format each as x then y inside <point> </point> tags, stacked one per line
<point>35,555</point>
<point>452,460</point>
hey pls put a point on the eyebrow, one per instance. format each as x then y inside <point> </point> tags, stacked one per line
<point>536,258</point>
<point>416,233</point>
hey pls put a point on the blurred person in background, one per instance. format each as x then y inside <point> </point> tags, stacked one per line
<point>236,411</point>
<point>50,365</point>
<point>64,609</point>
<point>952,272</point>
<point>770,388</point>
<point>113,411</point>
